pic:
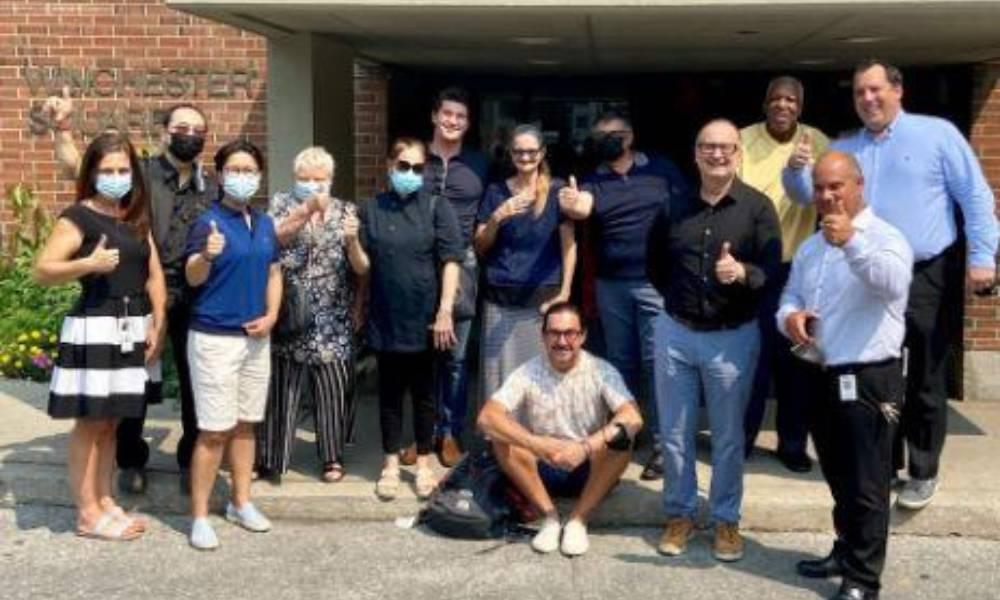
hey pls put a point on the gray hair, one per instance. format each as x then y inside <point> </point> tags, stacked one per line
<point>314,157</point>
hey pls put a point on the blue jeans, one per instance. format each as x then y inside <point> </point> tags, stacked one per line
<point>452,383</point>
<point>718,365</point>
<point>628,308</point>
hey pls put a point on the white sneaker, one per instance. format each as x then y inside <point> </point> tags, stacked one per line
<point>202,535</point>
<point>248,517</point>
<point>574,538</point>
<point>547,538</point>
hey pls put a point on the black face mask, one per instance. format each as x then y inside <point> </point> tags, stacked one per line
<point>186,147</point>
<point>609,148</point>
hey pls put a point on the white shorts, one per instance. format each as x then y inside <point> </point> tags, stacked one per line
<point>229,376</point>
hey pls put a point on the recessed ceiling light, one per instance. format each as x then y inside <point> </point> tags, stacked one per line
<point>864,39</point>
<point>534,40</point>
<point>544,62</point>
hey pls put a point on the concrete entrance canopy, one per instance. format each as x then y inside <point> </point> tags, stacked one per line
<point>638,35</point>
<point>313,45</point>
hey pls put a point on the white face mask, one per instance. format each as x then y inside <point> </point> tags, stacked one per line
<point>241,186</point>
<point>304,190</point>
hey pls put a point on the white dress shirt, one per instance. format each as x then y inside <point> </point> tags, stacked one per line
<point>859,291</point>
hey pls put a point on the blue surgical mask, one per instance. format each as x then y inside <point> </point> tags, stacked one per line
<point>307,189</point>
<point>405,182</point>
<point>115,187</point>
<point>241,186</point>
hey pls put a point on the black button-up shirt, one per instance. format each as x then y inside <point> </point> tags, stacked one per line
<point>461,181</point>
<point>405,245</point>
<point>685,242</point>
<point>172,211</point>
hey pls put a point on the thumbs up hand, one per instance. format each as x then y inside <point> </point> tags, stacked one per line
<point>836,224</point>
<point>802,156</point>
<point>569,195</point>
<point>214,243</point>
<point>728,270</point>
<point>59,108</point>
<point>103,259</point>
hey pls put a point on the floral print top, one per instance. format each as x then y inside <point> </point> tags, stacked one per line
<point>316,258</point>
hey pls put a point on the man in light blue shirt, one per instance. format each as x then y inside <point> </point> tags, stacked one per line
<point>844,309</point>
<point>917,169</point>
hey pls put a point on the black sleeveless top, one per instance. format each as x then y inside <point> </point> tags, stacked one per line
<point>122,290</point>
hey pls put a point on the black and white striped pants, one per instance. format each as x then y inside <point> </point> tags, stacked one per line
<point>330,386</point>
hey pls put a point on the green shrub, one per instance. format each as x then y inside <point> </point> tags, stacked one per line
<point>30,315</point>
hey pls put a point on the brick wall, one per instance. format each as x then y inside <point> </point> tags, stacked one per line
<point>124,61</point>
<point>982,316</point>
<point>371,109</point>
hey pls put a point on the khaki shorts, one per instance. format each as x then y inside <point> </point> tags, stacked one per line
<point>229,376</point>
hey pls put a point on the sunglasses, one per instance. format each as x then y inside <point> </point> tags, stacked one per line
<point>403,166</point>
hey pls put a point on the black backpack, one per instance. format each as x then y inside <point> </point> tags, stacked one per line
<point>472,502</point>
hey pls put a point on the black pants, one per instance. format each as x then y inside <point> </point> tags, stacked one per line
<point>777,364</point>
<point>930,338</point>
<point>133,451</point>
<point>398,373</point>
<point>854,444</point>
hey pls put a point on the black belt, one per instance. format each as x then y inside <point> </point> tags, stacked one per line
<point>707,325</point>
<point>855,367</point>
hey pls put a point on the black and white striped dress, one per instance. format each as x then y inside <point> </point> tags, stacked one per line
<point>101,370</point>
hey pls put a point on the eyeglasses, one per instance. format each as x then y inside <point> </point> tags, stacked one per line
<point>571,335</point>
<point>525,152</point>
<point>709,148</point>
<point>403,166</point>
<point>185,129</point>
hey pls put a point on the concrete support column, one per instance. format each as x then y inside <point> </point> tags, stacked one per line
<point>289,104</point>
<point>310,102</point>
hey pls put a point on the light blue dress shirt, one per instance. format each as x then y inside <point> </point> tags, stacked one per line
<point>915,172</point>
<point>859,291</point>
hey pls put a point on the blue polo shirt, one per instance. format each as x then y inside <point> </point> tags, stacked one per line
<point>624,209</point>
<point>461,180</point>
<point>236,289</point>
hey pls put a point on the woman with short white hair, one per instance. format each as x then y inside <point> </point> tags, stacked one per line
<point>313,350</point>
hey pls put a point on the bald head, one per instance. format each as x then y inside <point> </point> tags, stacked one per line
<point>838,183</point>
<point>719,128</point>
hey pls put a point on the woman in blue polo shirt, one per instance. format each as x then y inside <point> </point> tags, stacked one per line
<point>530,254</point>
<point>232,266</point>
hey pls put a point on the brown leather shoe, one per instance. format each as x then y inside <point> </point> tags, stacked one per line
<point>449,453</point>
<point>675,536</point>
<point>728,546</point>
<point>408,455</point>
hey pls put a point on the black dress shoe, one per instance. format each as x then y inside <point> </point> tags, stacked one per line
<point>653,469</point>
<point>849,591</point>
<point>132,481</point>
<point>822,568</point>
<point>798,462</point>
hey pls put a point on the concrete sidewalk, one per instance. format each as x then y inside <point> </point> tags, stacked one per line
<point>33,449</point>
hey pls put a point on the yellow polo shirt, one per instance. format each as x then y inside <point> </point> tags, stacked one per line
<point>763,159</point>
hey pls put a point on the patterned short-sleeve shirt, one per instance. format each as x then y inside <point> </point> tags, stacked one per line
<point>570,405</point>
